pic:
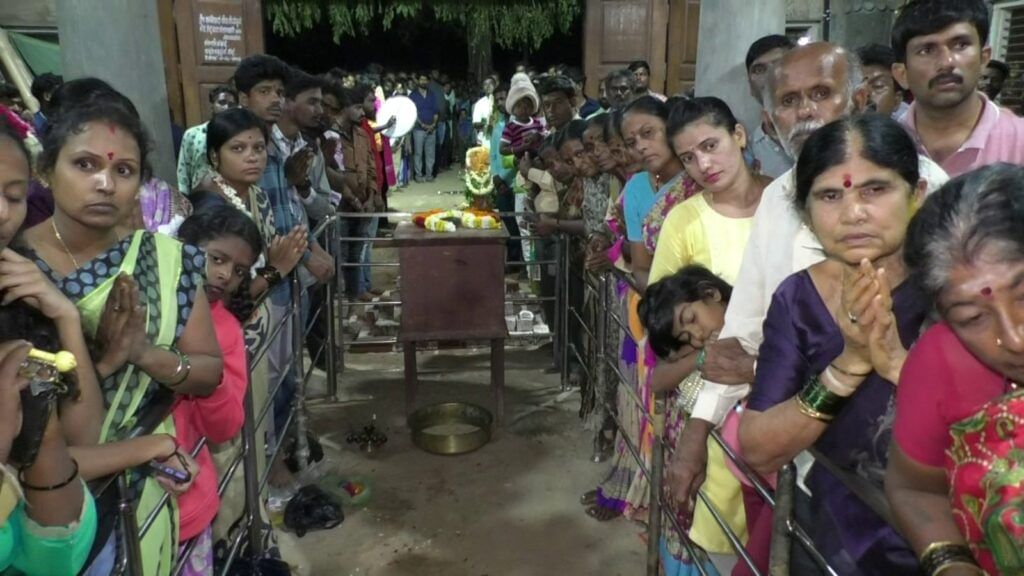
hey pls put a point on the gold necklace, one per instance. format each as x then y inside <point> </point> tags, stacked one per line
<point>56,233</point>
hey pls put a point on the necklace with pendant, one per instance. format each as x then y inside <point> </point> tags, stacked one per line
<point>63,244</point>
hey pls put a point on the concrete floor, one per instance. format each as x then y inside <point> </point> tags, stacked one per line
<point>509,509</point>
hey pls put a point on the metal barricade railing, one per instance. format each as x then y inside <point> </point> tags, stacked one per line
<point>785,529</point>
<point>249,528</point>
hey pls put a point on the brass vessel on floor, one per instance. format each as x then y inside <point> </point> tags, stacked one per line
<point>476,420</point>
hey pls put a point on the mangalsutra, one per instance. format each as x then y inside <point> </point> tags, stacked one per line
<point>56,233</point>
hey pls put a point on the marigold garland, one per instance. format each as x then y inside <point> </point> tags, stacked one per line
<point>442,220</point>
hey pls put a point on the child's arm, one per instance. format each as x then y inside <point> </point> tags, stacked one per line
<point>506,141</point>
<point>220,415</point>
<point>113,457</point>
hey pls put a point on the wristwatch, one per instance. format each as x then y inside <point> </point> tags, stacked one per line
<point>270,274</point>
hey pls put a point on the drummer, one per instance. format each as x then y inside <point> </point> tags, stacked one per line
<point>396,117</point>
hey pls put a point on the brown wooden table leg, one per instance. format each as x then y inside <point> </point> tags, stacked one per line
<point>498,378</point>
<point>409,355</point>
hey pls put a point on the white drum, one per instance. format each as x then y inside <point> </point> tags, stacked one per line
<point>403,110</point>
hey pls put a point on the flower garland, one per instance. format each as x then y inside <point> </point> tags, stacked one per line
<point>442,220</point>
<point>478,171</point>
<point>231,194</point>
<point>237,202</point>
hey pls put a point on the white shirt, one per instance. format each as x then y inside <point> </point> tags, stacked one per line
<point>481,112</point>
<point>780,244</point>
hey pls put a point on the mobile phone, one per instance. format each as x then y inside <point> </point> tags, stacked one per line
<point>169,472</point>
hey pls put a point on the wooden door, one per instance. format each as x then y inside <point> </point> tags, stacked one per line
<point>683,28</point>
<point>213,36</point>
<point>620,31</point>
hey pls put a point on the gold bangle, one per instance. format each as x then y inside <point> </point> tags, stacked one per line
<point>938,556</point>
<point>934,546</point>
<point>808,411</point>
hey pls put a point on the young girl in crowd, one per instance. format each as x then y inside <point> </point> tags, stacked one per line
<point>710,228</point>
<point>681,313</point>
<point>236,148</point>
<point>232,244</point>
<point>47,515</point>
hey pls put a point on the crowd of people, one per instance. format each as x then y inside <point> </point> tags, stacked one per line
<point>845,278</point>
<point>842,279</point>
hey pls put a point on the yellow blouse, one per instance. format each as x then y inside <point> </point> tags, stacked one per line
<point>694,233</point>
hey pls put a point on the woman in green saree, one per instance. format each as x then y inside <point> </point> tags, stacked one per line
<point>138,298</point>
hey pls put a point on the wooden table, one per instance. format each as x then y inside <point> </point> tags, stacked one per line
<point>453,288</point>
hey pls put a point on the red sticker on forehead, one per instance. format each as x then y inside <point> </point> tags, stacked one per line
<point>986,291</point>
<point>847,181</point>
<point>110,155</point>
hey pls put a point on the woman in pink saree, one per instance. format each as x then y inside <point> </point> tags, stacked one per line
<point>956,473</point>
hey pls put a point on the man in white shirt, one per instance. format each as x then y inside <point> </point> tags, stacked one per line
<point>482,110</point>
<point>809,87</point>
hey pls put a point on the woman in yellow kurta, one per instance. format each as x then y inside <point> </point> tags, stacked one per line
<point>710,229</point>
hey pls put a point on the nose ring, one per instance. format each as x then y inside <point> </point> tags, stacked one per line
<point>999,342</point>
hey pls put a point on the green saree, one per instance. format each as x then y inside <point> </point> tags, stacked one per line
<point>168,274</point>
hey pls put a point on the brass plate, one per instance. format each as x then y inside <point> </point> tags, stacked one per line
<point>450,428</point>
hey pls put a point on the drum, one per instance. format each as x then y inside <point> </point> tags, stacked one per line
<point>403,110</point>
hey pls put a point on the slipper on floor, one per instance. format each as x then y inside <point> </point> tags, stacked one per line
<point>602,514</point>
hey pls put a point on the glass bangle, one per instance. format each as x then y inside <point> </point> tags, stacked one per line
<point>816,397</point>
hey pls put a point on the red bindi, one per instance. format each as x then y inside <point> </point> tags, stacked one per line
<point>986,291</point>
<point>847,181</point>
<point>110,155</point>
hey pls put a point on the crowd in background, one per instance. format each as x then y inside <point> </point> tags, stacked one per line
<point>845,277</point>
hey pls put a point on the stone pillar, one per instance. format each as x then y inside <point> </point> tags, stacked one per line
<point>120,43</point>
<point>727,28</point>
